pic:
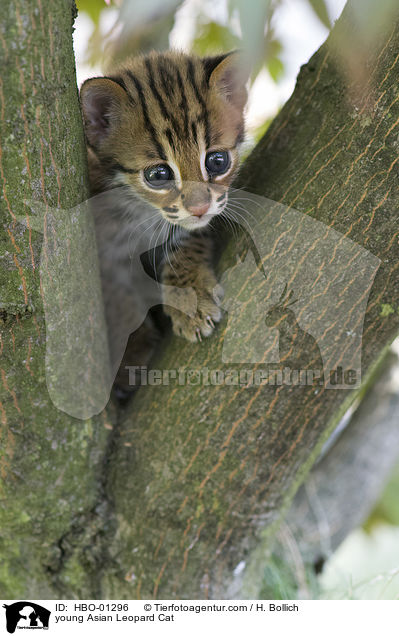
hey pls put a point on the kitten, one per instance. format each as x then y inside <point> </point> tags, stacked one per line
<point>166,127</point>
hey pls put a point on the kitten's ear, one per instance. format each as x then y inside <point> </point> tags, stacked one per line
<point>102,100</point>
<point>229,73</point>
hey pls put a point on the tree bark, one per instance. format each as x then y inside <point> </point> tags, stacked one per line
<point>179,495</point>
<point>202,474</point>
<point>50,463</point>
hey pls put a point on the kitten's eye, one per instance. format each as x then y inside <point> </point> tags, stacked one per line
<point>158,176</point>
<point>217,162</point>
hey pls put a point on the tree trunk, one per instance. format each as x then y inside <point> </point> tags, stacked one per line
<point>50,463</point>
<point>179,495</point>
<point>202,474</point>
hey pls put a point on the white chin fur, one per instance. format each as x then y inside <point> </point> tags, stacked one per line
<point>194,222</point>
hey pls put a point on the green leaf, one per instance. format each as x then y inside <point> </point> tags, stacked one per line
<point>261,130</point>
<point>275,68</point>
<point>387,508</point>
<point>92,7</point>
<point>213,38</point>
<point>320,9</point>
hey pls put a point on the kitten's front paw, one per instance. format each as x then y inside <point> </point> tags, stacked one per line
<point>194,314</point>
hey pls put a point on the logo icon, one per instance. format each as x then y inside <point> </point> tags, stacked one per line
<point>26,615</point>
<point>304,308</point>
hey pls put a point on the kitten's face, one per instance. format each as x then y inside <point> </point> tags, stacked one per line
<point>169,126</point>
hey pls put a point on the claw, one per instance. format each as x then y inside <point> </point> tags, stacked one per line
<point>198,334</point>
<point>210,322</point>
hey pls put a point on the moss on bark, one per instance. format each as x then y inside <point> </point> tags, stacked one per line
<point>195,477</point>
<point>50,463</point>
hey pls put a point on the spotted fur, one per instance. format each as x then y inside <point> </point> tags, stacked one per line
<point>168,109</point>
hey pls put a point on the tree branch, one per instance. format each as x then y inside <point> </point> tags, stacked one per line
<point>202,473</point>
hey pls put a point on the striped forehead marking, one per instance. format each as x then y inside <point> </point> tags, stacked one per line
<point>165,82</point>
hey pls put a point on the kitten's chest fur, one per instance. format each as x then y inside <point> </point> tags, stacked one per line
<point>123,227</point>
<point>124,230</point>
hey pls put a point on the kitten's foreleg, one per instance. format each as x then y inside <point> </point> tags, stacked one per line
<point>190,266</point>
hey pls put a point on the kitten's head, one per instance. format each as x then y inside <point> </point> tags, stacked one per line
<point>169,125</point>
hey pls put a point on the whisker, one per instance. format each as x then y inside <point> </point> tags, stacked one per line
<point>241,220</point>
<point>229,223</point>
<point>236,193</point>
<point>166,253</point>
<point>135,227</point>
<point>233,203</point>
<point>156,244</point>
<point>153,225</point>
<point>234,207</point>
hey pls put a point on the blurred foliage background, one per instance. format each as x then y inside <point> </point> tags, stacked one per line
<point>278,36</point>
<point>364,567</point>
<point>142,25</point>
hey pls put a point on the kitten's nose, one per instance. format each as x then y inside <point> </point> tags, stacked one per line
<point>198,210</point>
